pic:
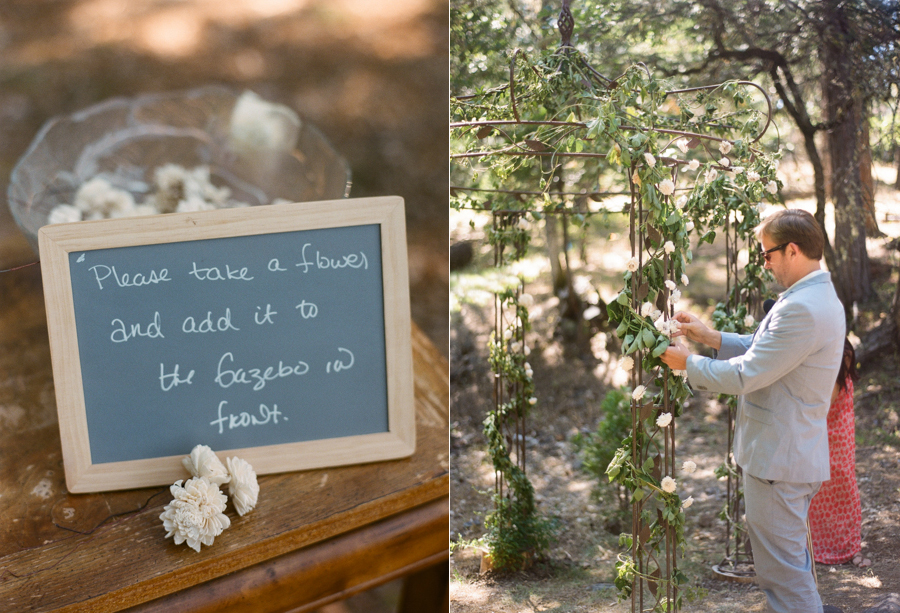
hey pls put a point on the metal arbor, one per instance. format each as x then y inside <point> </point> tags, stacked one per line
<point>649,572</point>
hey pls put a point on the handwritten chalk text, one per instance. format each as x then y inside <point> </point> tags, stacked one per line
<point>101,272</point>
<point>226,377</point>
<point>122,333</point>
<point>244,419</point>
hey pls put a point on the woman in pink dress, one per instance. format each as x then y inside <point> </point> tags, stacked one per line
<point>835,517</point>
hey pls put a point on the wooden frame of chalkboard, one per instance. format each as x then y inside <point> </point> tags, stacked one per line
<point>98,404</point>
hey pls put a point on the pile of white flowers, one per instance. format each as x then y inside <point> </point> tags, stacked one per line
<point>197,512</point>
<point>175,189</point>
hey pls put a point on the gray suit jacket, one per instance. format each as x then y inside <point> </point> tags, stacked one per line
<point>785,373</point>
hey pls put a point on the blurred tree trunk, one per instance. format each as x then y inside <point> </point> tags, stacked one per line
<point>845,112</point>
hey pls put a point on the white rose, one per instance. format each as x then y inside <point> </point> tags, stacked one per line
<point>749,321</point>
<point>694,164</point>
<point>687,502</point>
<point>655,313</point>
<point>725,162</point>
<point>684,278</point>
<point>532,401</point>
<point>752,176</point>
<point>689,226</point>
<point>670,284</point>
<point>664,420</point>
<point>627,363</point>
<point>725,147</point>
<point>771,187</point>
<point>669,247</point>
<point>667,187</point>
<point>682,143</point>
<point>675,296</point>
<point>689,467</point>
<point>632,264</point>
<point>668,484</point>
<point>737,170</point>
<point>711,175</point>
<point>651,161</point>
<point>661,325</point>
<point>682,200</point>
<point>244,488</point>
<point>646,309</point>
<point>638,392</point>
<point>203,462</point>
<point>522,223</point>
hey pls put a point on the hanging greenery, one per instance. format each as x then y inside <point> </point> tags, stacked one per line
<point>686,161</point>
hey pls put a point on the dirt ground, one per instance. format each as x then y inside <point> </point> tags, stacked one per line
<point>577,573</point>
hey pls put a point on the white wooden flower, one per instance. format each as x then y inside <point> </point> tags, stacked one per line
<point>689,467</point>
<point>680,202</point>
<point>627,363</point>
<point>682,144</point>
<point>725,147</point>
<point>749,321</point>
<point>638,392</point>
<point>667,187</point>
<point>725,162</point>
<point>711,175</point>
<point>243,486</point>
<point>670,284</point>
<point>64,213</point>
<point>646,309</point>
<point>669,247</point>
<point>203,462</point>
<point>684,278</point>
<point>632,264</point>
<point>753,176</point>
<point>195,515</point>
<point>651,161</point>
<point>689,226</point>
<point>664,420</point>
<point>687,502</point>
<point>771,187</point>
<point>694,164</point>
<point>668,484</point>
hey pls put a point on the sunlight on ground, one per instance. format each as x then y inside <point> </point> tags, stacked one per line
<point>470,594</point>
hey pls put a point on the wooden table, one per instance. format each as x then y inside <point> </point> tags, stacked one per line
<point>315,536</point>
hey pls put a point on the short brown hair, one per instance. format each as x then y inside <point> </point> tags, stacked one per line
<point>794,226</point>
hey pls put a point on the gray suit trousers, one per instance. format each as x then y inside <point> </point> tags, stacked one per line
<point>776,517</point>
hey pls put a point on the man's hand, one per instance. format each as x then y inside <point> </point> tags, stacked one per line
<point>675,357</point>
<point>692,328</point>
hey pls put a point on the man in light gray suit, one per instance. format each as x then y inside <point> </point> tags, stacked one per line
<point>785,373</point>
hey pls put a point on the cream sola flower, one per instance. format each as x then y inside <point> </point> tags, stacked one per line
<point>694,164</point>
<point>725,147</point>
<point>632,264</point>
<point>749,321</point>
<point>684,279</point>
<point>627,363</point>
<point>680,202</point>
<point>203,462</point>
<point>639,392</point>
<point>689,467</point>
<point>667,187</point>
<point>668,484</point>
<point>664,420</point>
<point>711,175</point>
<point>651,161</point>
<point>725,162</point>
<point>669,247</point>
<point>243,486</point>
<point>687,502</point>
<point>682,143</point>
<point>772,187</point>
<point>196,514</point>
<point>753,176</point>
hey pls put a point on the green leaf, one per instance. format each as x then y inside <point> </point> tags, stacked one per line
<point>649,338</point>
<point>661,348</point>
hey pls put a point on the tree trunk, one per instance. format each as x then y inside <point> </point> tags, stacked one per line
<point>845,111</point>
<point>867,181</point>
<point>897,181</point>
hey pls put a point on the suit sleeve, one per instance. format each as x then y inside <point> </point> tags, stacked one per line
<point>733,345</point>
<point>778,350</point>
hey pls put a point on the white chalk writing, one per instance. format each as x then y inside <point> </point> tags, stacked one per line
<point>244,419</point>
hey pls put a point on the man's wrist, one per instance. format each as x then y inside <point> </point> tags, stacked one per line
<point>715,339</point>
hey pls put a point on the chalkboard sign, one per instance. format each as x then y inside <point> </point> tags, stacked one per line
<point>280,334</point>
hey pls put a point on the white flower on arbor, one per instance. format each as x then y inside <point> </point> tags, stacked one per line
<point>668,484</point>
<point>680,373</point>
<point>687,502</point>
<point>664,420</point>
<point>675,296</point>
<point>725,162</point>
<point>638,392</point>
<point>749,321</point>
<point>684,277</point>
<point>752,176</point>
<point>532,401</point>
<point>694,164</point>
<point>689,226</point>
<point>667,187</point>
<point>682,143</point>
<point>737,170</point>
<point>670,284</point>
<point>711,175</point>
<point>526,300</point>
<point>627,363</point>
<point>669,247</point>
<point>689,467</point>
<point>651,161</point>
<point>771,187</point>
<point>522,223</point>
<point>725,147</point>
<point>632,264</point>
<point>682,200</point>
<point>646,309</point>
<point>528,371</point>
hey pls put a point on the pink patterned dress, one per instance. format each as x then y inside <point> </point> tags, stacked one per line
<point>835,517</point>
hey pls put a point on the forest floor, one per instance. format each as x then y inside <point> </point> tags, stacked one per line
<point>571,379</point>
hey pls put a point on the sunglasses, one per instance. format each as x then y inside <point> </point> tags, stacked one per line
<point>768,253</point>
